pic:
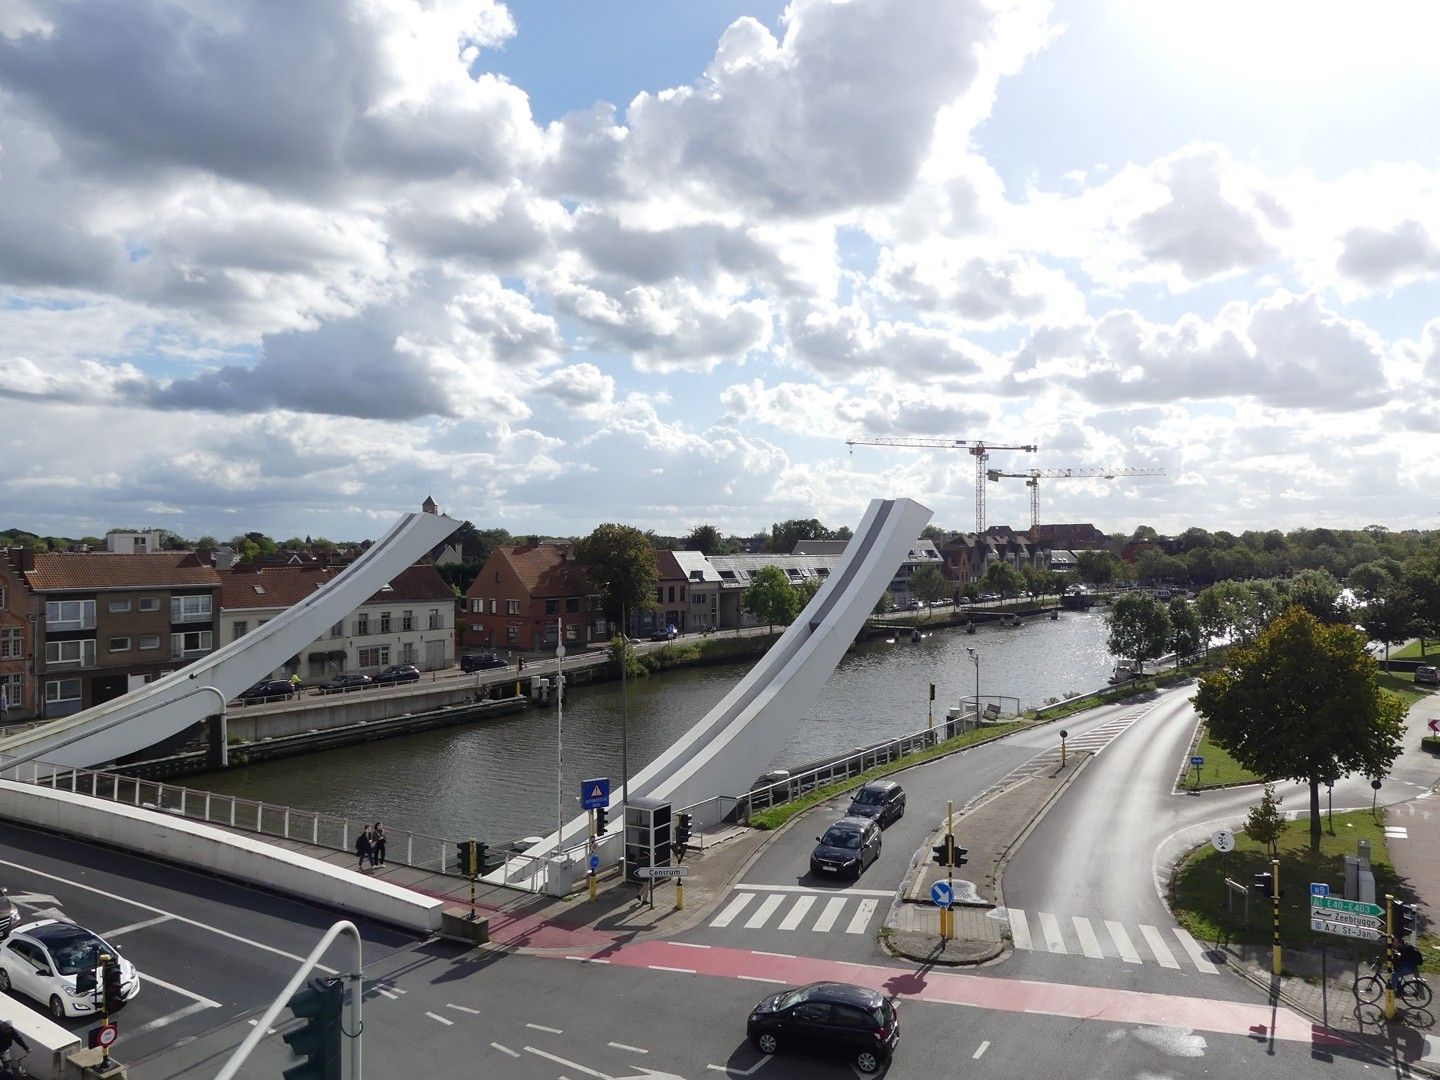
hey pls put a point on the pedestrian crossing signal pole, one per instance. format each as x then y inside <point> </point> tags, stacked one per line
<point>948,931</point>
<point>1389,956</point>
<point>931,726</point>
<point>1063,736</point>
<point>592,850</point>
<point>1277,962</point>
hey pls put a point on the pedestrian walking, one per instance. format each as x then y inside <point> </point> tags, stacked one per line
<point>363,847</point>
<point>377,845</point>
<point>295,681</point>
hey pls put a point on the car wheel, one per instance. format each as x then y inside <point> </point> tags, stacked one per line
<point>57,1007</point>
<point>4,981</point>
<point>867,1061</point>
<point>767,1042</point>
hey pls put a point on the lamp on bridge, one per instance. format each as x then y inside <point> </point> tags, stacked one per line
<point>976,657</point>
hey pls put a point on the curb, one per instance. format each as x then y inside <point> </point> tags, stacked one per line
<point>1030,828</point>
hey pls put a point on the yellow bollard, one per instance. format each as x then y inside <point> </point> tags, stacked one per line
<point>679,894</point>
<point>592,884</point>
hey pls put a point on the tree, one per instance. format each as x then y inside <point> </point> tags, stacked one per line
<point>1266,822</point>
<point>806,590</point>
<point>1184,629</point>
<point>1319,594</point>
<point>620,564</point>
<point>1139,627</point>
<point>705,539</point>
<point>929,585</point>
<point>771,597</point>
<point>1002,578</point>
<point>1302,704</point>
<point>1212,615</point>
<point>784,534</point>
<point>1387,616</point>
<point>1096,567</point>
<point>883,604</point>
<point>934,534</point>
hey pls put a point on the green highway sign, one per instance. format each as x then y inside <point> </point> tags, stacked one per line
<point>1353,907</point>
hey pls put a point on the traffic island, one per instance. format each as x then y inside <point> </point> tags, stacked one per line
<point>989,828</point>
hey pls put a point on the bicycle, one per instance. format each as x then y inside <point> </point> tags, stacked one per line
<point>1412,990</point>
<point>13,1068</point>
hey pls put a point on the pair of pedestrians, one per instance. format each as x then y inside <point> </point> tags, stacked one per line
<point>370,845</point>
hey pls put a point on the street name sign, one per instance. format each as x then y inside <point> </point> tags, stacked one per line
<point>941,894</point>
<point>1223,841</point>
<point>595,793</point>
<point>1345,917</point>
<point>1319,888</point>
<point>1342,929</point>
<point>1197,761</point>
<point>662,871</point>
<point>1351,907</point>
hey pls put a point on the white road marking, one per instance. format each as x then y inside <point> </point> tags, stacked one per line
<point>387,993</point>
<point>1197,954</point>
<point>34,899</point>
<point>505,1049</point>
<point>633,1049</point>
<point>736,905</point>
<point>689,945</point>
<point>542,1027</point>
<point>763,912</point>
<point>1050,927</point>
<point>980,1050</point>
<point>830,914</point>
<point>861,918</point>
<point>1157,945</point>
<point>443,1019</point>
<point>1020,930</point>
<point>797,912</point>
<point>1122,942</point>
<point>144,977</point>
<point>782,955</point>
<point>1089,944</point>
<point>160,911</point>
<point>170,1018</point>
<point>464,1009</point>
<point>677,971</point>
<point>587,959</point>
<point>815,892</point>
<point>256,1023</point>
<point>569,1064</point>
<point>733,1071</point>
<point>761,978</point>
<point>135,926</point>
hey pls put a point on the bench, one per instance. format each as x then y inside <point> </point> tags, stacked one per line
<point>992,712</point>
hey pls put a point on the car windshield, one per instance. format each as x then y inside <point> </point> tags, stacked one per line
<point>793,997</point>
<point>74,950</point>
<point>841,838</point>
<point>869,797</point>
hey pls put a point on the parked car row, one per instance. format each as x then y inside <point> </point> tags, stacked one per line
<point>283,690</point>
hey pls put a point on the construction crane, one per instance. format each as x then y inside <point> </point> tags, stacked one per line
<point>977,448</point>
<point>1032,478</point>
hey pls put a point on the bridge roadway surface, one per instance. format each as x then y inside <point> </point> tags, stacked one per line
<point>615,1008</point>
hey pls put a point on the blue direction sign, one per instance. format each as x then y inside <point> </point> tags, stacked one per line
<point>595,793</point>
<point>942,894</point>
<point>1319,889</point>
<point>1197,760</point>
<point>594,862</point>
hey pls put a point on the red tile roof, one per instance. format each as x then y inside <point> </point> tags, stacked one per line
<point>547,569</point>
<point>57,571</point>
<point>287,585</point>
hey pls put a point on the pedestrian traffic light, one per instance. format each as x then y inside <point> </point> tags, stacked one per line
<point>1265,885</point>
<point>465,857</point>
<point>682,828</point>
<point>519,664</point>
<point>110,979</point>
<point>602,822</point>
<point>317,1039</point>
<point>481,849</point>
<point>1406,919</point>
<point>945,851</point>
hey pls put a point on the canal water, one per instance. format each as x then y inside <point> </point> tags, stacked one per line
<point>497,780</point>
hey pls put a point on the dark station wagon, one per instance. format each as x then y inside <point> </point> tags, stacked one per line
<point>829,1018</point>
<point>882,800</point>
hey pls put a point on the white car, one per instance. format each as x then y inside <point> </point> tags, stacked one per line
<point>45,960</point>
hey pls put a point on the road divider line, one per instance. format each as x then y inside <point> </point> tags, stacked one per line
<point>569,1064</point>
<point>677,971</point>
<point>815,892</point>
<point>689,945</point>
<point>980,1050</point>
<point>505,1049</point>
<point>136,926</point>
<point>781,955</point>
<point>762,978</point>
<point>443,1019</point>
<point>170,1018</point>
<point>632,1049</point>
<point>542,1027</point>
<point>464,1009</point>
<point>144,977</point>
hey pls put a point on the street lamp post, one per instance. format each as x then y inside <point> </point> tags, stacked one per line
<point>976,657</point>
<point>559,734</point>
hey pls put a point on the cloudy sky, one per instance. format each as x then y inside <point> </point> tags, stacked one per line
<point>292,266</point>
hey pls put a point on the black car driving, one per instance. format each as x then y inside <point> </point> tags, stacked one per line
<point>272,690</point>
<point>847,848</point>
<point>399,673</point>
<point>351,680</point>
<point>883,800</point>
<point>828,1018</point>
<point>481,662</point>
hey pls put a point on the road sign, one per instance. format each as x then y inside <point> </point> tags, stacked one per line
<point>1435,725</point>
<point>1329,926</point>
<point>942,894</point>
<point>662,871</point>
<point>1319,888</point>
<point>1350,907</point>
<point>594,862</point>
<point>1223,841</point>
<point>104,1035</point>
<point>595,793</point>
<point>1374,922</point>
<point>1197,761</point>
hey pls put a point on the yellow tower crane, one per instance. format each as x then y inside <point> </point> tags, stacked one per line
<point>1032,478</point>
<point>979,449</point>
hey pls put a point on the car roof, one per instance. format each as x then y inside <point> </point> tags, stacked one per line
<point>853,821</point>
<point>54,932</point>
<point>880,785</point>
<point>844,994</point>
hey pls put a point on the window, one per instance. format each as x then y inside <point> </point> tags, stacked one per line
<point>362,625</point>
<point>572,631</point>
<point>493,604</point>
<point>512,607</point>
<point>552,607</point>
<point>407,618</point>
<point>672,594</point>
<point>70,615</point>
<point>70,652</point>
<point>407,653</point>
<point>149,641</point>
<point>12,643</point>
<point>59,690</point>
<point>149,603</point>
<point>572,605</point>
<point>384,622</point>
<point>194,643</point>
<point>477,628</point>
<point>119,644</point>
<point>436,622</point>
<point>375,656</point>
<point>118,607</point>
<point>185,609</point>
<point>241,628</point>
<point>14,688</point>
<point>512,634</point>
<point>338,630</point>
<point>477,604</point>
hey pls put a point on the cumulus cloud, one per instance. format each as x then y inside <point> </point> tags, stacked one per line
<point>1383,257</point>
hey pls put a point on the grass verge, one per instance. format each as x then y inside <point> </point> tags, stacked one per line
<point>1413,651</point>
<point>1402,686</point>
<point>1197,891</point>
<point>1220,769</point>
<point>775,816</point>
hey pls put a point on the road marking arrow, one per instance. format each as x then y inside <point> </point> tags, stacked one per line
<point>34,899</point>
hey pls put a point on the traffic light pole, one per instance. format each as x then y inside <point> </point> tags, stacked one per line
<point>947,916</point>
<point>264,1024</point>
<point>1277,962</point>
<point>105,961</point>
<point>1389,956</point>
<point>589,849</point>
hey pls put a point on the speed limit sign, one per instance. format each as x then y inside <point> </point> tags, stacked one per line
<point>1223,841</point>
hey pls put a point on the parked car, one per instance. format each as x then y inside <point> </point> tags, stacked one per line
<point>668,633</point>
<point>271,690</point>
<point>882,800</point>
<point>56,963</point>
<point>399,673</point>
<point>848,847</point>
<point>9,914</point>
<point>482,662</point>
<point>828,1018</point>
<point>350,680</point>
<point>1425,675</point>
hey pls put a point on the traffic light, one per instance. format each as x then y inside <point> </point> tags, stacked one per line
<point>602,815</point>
<point>945,851</point>
<point>1406,919</point>
<point>960,853</point>
<point>1265,885</point>
<point>317,1040</point>
<point>114,995</point>
<point>519,664</point>
<point>682,836</point>
<point>480,852</point>
<point>465,857</point>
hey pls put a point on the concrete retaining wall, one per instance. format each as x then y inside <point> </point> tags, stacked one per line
<point>50,1044</point>
<point>230,855</point>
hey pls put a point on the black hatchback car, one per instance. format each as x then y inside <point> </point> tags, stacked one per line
<point>399,673</point>
<point>273,690</point>
<point>847,848</point>
<point>481,662</point>
<point>349,681</point>
<point>883,800</point>
<point>828,1018</point>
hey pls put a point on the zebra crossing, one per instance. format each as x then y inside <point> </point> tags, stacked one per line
<point>1077,935</point>
<point>793,907</point>
<point>1097,739</point>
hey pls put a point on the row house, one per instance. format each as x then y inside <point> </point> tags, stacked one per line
<point>99,624</point>
<point>966,557</point>
<point>410,620</point>
<point>921,553</point>
<point>523,596</point>
<point>737,573</point>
